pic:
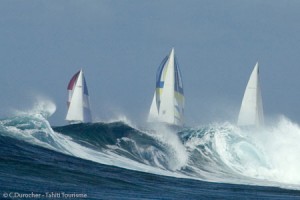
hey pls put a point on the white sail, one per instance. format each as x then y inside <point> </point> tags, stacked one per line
<point>78,102</point>
<point>153,114</point>
<point>168,101</point>
<point>251,112</point>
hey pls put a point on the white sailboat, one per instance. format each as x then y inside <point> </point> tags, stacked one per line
<point>251,112</point>
<point>78,103</point>
<point>168,101</point>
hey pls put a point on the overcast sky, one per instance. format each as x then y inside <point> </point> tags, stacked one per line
<point>120,44</point>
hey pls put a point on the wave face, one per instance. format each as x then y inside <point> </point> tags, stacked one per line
<point>217,152</point>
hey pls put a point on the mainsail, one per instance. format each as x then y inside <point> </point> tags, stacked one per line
<point>78,102</point>
<point>168,101</point>
<point>251,112</point>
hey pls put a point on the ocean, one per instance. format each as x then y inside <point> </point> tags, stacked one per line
<point>120,160</point>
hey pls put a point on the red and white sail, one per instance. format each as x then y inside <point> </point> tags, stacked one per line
<point>78,102</point>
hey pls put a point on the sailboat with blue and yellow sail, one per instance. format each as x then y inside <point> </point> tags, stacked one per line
<point>168,100</point>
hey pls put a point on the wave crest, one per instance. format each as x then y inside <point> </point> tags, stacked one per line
<point>217,152</point>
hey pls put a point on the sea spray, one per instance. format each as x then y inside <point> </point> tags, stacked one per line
<point>119,118</point>
<point>177,154</point>
<point>239,152</point>
<point>270,154</point>
<point>42,106</point>
<point>280,142</point>
<point>31,125</point>
<point>217,152</point>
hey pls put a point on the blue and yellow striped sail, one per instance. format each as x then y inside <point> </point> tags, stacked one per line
<point>160,77</point>
<point>179,95</point>
<point>168,102</point>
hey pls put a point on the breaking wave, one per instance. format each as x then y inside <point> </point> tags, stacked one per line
<point>216,152</point>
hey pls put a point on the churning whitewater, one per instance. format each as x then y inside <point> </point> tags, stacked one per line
<point>216,152</point>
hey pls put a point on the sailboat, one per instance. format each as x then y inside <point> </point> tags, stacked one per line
<point>168,100</point>
<point>78,103</point>
<point>251,112</point>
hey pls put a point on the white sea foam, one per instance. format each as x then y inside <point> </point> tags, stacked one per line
<point>280,143</point>
<point>42,106</point>
<point>43,135</point>
<point>177,154</point>
<point>269,156</point>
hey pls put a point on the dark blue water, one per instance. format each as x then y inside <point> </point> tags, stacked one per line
<point>38,160</point>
